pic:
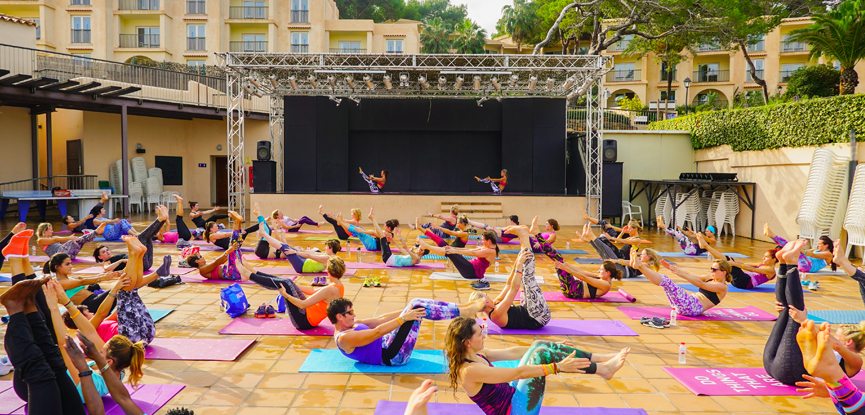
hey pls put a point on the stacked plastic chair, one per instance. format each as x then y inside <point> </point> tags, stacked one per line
<point>822,209</point>
<point>664,208</point>
<point>136,196</point>
<point>688,210</point>
<point>854,219</point>
<point>152,192</point>
<point>703,219</point>
<point>726,211</point>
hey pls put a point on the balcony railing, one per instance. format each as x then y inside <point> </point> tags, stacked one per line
<point>300,16</point>
<point>347,50</point>
<point>80,35</point>
<point>196,43</point>
<point>248,46</point>
<point>785,75</point>
<point>757,47</point>
<point>139,5</point>
<point>79,2</point>
<point>665,76</point>
<point>139,41</point>
<point>708,48</point>
<point>711,76</point>
<point>793,46</point>
<point>623,75</point>
<point>299,48</point>
<point>748,77</point>
<point>195,7</point>
<point>247,12</point>
<point>394,51</point>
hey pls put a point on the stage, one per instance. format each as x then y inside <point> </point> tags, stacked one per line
<point>568,210</point>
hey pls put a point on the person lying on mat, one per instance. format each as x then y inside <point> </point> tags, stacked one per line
<point>109,262</point>
<point>551,226</point>
<point>51,244</point>
<point>484,254</point>
<point>369,239</point>
<point>503,238</point>
<point>303,261</point>
<point>688,239</point>
<point>648,256</point>
<point>810,260</point>
<point>388,339</point>
<point>412,256</point>
<point>450,220</point>
<point>376,184</point>
<point>498,185</point>
<point>306,307</point>
<point>225,267</point>
<point>840,258</point>
<point>341,233</point>
<point>712,287</point>
<point>605,249</point>
<point>224,239</point>
<point>459,233</point>
<point>533,313</point>
<point>519,390</point>
<point>197,215</point>
<point>746,276</point>
<point>278,221</point>
<point>827,379</point>
<point>78,289</point>
<point>183,230</point>
<point>79,226</point>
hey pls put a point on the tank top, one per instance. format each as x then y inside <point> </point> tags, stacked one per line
<point>503,183</point>
<point>480,266</point>
<point>318,311</point>
<point>223,243</point>
<point>369,354</point>
<point>711,295</point>
<point>494,399</point>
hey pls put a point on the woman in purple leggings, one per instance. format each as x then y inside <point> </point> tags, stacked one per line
<point>712,288</point>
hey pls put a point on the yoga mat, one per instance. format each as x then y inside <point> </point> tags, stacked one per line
<point>473,241</point>
<point>569,328</point>
<point>150,398</point>
<point>747,381</point>
<point>214,248</point>
<point>589,261</point>
<point>391,407</point>
<point>455,276</point>
<point>196,349</point>
<point>421,362</point>
<point>273,327</point>
<point>314,231</point>
<point>97,269</point>
<point>750,313</point>
<point>827,273</point>
<point>561,251</point>
<point>158,314</point>
<point>680,254</point>
<point>837,316</point>
<point>380,265</point>
<point>195,277</point>
<point>327,238</point>
<point>442,257</point>
<point>39,258</point>
<point>762,288</point>
<point>558,297</point>
<point>5,278</point>
<point>289,270</point>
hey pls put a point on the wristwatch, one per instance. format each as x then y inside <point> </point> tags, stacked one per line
<point>85,373</point>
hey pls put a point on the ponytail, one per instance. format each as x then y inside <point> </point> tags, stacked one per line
<point>127,354</point>
<point>207,227</point>
<point>56,260</point>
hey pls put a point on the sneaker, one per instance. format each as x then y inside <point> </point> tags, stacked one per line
<point>182,243</point>
<point>814,286</point>
<point>5,366</point>
<point>481,285</point>
<point>261,311</point>
<point>270,312</point>
<point>280,304</point>
<point>656,323</point>
<point>367,282</point>
<point>318,282</point>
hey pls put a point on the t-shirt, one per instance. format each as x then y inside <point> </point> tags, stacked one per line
<point>107,329</point>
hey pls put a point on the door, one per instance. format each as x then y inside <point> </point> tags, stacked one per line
<point>74,163</point>
<point>219,178</point>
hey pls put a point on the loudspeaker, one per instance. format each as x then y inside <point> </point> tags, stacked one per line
<point>264,175</point>
<point>263,150</point>
<point>611,193</point>
<point>609,152</point>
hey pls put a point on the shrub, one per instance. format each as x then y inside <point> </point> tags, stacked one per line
<point>814,81</point>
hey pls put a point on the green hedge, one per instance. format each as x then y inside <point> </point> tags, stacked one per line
<point>795,124</point>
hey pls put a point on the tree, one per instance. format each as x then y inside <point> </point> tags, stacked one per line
<point>434,37</point>
<point>838,35</point>
<point>377,10</point>
<point>814,81</point>
<point>667,50</point>
<point>519,21</point>
<point>468,38</point>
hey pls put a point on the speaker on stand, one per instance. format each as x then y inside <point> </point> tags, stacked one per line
<point>264,176</point>
<point>609,151</point>
<point>263,150</point>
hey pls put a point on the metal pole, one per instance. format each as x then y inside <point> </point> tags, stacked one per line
<point>851,169</point>
<point>124,158</point>
<point>34,147</point>
<point>49,156</point>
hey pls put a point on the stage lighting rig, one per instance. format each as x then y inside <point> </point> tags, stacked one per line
<point>403,80</point>
<point>443,83</point>
<point>458,84</point>
<point>476,83</point>
<point>388,85</point>
<point>370,85</point>
<point>533,83</point>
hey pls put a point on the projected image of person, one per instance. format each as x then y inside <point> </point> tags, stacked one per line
<point>376,184</point>
<point>498,185</point>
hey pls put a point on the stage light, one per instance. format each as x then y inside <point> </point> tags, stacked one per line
<point>293,82</point>
<point>312,81</point>
<point>482,100</point>
<point>335,99</point>
<point>251,89</point>
<point>331,80</point>
<point>443,82</point>
<point>349,80</point>
<point>476,83</point>
<point>569,83</point>
<point>551,84</point>
<point>421,80</point>
<point>354,99</point>
<point>370,85</point>
<point>273,81</point>
<point>496,85</point>
<point>514,81</point>
<point>387,83</point>
<point>458,84</point>
<point>403,80</point>
<point>533,83</point>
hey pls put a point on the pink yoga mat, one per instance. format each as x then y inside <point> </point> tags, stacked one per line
<point>150,398</point>
<point>749,313</point>
<point>77,260</point>
<point>315,231</point>
<point>214,248</point>
<point>288,270</point>
<point>196,349</point>
<point>379,265</point>
<point>557,296</point>
<point>391,407</point>
<point>570,328</point>
<point>478,242</point>
<point>273,327</point>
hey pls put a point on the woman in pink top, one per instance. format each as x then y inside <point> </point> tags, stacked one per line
<point>484,254</point>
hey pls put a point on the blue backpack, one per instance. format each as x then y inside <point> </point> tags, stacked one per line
<point>233,300</point>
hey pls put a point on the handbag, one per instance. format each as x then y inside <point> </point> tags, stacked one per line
<point>233,300</point>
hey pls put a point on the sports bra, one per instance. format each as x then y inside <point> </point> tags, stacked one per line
<point>72,291</point>
<point>494,398</point>
<point>369,354</point>
<point>711,295</point>
<point>318,311</point>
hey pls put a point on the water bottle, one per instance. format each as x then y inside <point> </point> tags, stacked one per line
<point>497,267</point>
<point>568,245</point>
<point>33,250</point>
<point>683,352</point>
<point>348,247</point>
<point>484,329</point>
<point>674,313</point>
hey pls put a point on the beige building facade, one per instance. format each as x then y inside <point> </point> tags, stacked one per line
<point>190,31</point>
<point>711,69</point>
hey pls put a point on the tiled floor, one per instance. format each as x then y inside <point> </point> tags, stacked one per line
<point>265,379</point>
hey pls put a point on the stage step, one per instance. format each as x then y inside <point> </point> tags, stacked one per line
<point>476,210</point>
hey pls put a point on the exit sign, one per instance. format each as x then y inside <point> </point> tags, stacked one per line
<point>202,164</point>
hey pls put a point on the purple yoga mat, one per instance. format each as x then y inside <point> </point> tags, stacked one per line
<point>194,277</point>
<point>314,231</point>
<point>150,398</point>
<point>380,265</point>
<point>273,327</point>
<point>77,260</point>
<point>213,248</point>
<point>391,407</point>
<point>478,242</point>
<point>288,270</point>
<point>196,349</point>
<point>749,313</point>
<point>557,296</point>
<point>570,328</point>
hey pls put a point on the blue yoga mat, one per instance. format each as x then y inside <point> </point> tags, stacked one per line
<point>837,316</point>
<point>588,261</point>
<point>158,314</point>
<point>434,256</point>
<point>680,254</point>
<point>764,288</point>
<point>561,251</point>
<point>421,362</point>
<point>5,278</point>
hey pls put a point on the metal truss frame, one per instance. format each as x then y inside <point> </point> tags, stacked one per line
<point>593,162</point>
<point>277,124</point>
<point>237,175</point>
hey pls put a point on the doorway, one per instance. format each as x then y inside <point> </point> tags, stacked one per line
<point>74,164</point>
<point>219,180</point>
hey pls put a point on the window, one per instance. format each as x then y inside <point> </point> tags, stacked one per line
<point>664,74</point>
<point>197,66</point>
<point>148,37</point>
<point>758,64</point>
<point>708,72</point>
<point>670,98</point>
<point>787,70</point>
<point>254,42</point>
<point>623,72</point>
<point>623,44</point>
<point>789,46</point>
<point>195,7</point>
<point>758,44</point>
<point>300,11</point>
<point>254,9</point>
<point>394,46</point>
<point>349,46</point>
<point>80,29</point>
<point>300,42</point>
<point>38,27</point>
<point>80,2</point>
<point>195,38</point>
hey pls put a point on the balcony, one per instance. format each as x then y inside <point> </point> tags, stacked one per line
<point>300,16</point>
<point>711,76</point>
<point>299,48</point>
<point>139,41</point>
<point>665,76</point>
<point>709,48</point>
<point>748,77</point>
<point>346,50</point>
<point>757,47</point>
<point>79,2</point>
<point>196,43</point>
<point>787,46</point>
<point>81,36</point>
<point>247,12</point>
<point>195,7</point>
<point>248,46</point>
<point>785,75</point>
<point>623,75</point>
<point>139,5</point>
<point>395,52</point>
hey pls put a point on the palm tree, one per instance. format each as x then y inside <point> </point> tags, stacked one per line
<point>519,21</point>
<point>434,37</point>
<point>839,35</point>
<point>468,37</point>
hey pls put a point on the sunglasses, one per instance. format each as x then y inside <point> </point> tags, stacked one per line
<point>715,269</point>
<point>349,312</point>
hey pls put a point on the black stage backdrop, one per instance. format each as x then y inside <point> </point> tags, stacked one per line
<point>427,145</point>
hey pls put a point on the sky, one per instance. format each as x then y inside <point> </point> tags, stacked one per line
<point>485,12</point>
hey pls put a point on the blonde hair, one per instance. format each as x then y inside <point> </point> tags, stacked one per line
<point>274,214</point>
<point>654,258</point>
<point>455,209</point>
<point>127,354</point>
<point>726,267</point>
<point>40,230</point>
<point>460,330</point>
<point>355,213</point>
<point>635,224</point>
<point>855,332</point>
<point>335,267</point>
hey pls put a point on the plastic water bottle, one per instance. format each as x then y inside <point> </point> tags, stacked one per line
<point>674,313</point>
<point>348,247</point>
<point>497,266</point>
<point>33,250</point>
<point>683,353</point>
<point>484,328</point>
<point>568,245</point>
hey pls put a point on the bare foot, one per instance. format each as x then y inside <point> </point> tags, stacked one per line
<point>660,221</point>
<point>792,255</point>
<point>134,245</point>
<point>701,240</point>
<point>609,368</point>
<point>768,232</point>
<point>816,348</point>
<point>19,298</point>
<point>371,215</point>
<point>20,226</point>
<point>839,254</point>
<point>236,216</point>
<point>101,228</point>
<point>178,198</point>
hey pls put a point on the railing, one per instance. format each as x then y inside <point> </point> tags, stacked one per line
<point>665,75</point>
<point>394,51</point>
<point>623,75</point>
<point>248,46</point>
<point>617,119</point>
<point>711,76</point>
<point>757,47</point>
<point>79,2</point>
<point>196,43</point>
<point>195,7</point>
<point>80,35</point>
<point>300,16</point>
<point>72,182</point>
<point>299,48</point>
<point>139,41</point>
<point>749,78</point>
<point>247,12</point>
<point>139,5</point>
<point>346,50</point>
<point>785,75</point>
<point>787,46</point>
<point>708,48</point>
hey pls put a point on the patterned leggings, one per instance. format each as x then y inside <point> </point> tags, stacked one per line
<point>493,185</point>
<point>297,315</point>
<point>114,231</point>
<point>373,186</point>
<point>133,320</point>
<point>533,297</point>
<point>805,263</point>
<point>687,304</point>
<point>530,392</point>
<point>570,286</point>
<point>688,247</point>
<point>398,344</point>
<point>71,248</point>
<point>605,250</point>
<point>230,270</point>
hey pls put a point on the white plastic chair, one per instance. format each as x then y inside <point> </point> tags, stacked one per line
<point>136,195</point>
<point>152,192</point>
<point>854,219</point>
<point>630,211</point>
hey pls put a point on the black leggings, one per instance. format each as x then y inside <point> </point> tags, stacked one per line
<point>340,231</point>
<point>40,375</point>
<point>146,237</point>
<point>95,300</point>
<point>201,222</point>
<point>182,230</point>
<point>392,350</point>
<point>463,266</point>
<point>782,357</point>
<point>859,276</point>
<point>385,249</point>
<point>297,315</point>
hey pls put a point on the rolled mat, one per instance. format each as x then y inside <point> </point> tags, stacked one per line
<point>421,362</point>
<point>837,316</point>
<point>273,327</point>
<point>150,398</point>
<point>455,276</point>
<point>391,407</point>
<point>610,297</point>
<point>225,350</point>
<point>750,313</point>
<point>569,328</point>
<point>680,254</point>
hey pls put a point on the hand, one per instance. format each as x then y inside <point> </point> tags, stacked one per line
<point>669,265</point>
<point>571,364</point>
<point>61,296</point>
<point>281,290</point>
<point>812,387</point>
<point>414,314</point>
<point>91,350</point>
<point>779,307</point>
<point>797,315</point>
<point>113,275</point>
<point>75,355</point>
<point>50,295</point>
<point>122,282</point>
<point>20,226</point>
<point>420,397</point>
